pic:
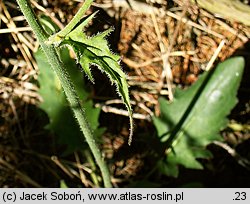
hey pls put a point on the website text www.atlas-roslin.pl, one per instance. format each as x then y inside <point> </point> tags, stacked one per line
<point>136,196</point>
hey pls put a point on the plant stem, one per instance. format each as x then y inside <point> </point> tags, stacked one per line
<point>93,167</point>
<point>68,87</point>
<point>75,19</point>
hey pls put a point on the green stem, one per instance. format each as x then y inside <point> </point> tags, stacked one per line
<point>93,167</point>
<point>68,87</point>
<point>78,16</point>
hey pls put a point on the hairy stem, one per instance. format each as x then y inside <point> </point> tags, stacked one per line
<point>68,87</point>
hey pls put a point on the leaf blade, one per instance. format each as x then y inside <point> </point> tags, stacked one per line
<point>95,50</point>
<point>55,104</point>
<point>215,94</point>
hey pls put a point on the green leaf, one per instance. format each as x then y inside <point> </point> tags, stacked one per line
<point>62,121</point>
<point>197,115</point>
<point>95,50</point>
<point>63,184</point>
<point>168,168</point>
<point>48,25</point>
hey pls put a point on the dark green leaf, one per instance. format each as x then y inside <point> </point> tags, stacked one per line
<point>56,106</point>
<point>196,116</point>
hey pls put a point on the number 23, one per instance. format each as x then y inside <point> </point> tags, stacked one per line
<point>240,196</point>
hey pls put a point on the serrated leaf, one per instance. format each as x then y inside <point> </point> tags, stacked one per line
<point>62,121</point>
<point>95,50</point>
<point>196,116</point>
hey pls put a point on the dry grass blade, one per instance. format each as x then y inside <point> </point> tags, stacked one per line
<point>166,72</point>
<point>61,166</point>
<point>241,160</point>
<point>215,55</point>
<point>20,41</point>
<point>82,175</point>
<point>195,25</point>
<point>14,30</point>
<point>21,176</point>
<point>109,109</point>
